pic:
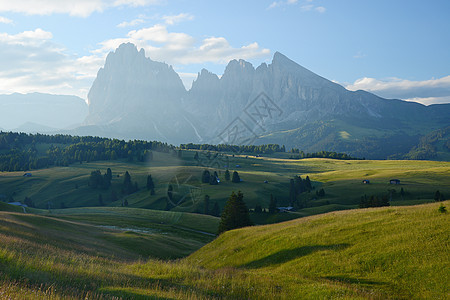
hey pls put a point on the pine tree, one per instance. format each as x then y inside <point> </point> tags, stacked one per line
<point>437,196</point>
<point>170,192</point>
<point>150,184</point>
<point>227,175</point>
<point>206,176</point>
<point>235,213</point>
<point>308,183</point>
<point>109,174</point>
<point>216,210</point>
<point>292,192</point>
<point>206,205</point>
<point>127,184</point>
<point>272,205</point>
<point>212,180</point>
<point>236,178</point>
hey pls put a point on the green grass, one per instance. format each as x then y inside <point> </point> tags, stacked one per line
<point>381,253</point>
<point>341,180</point>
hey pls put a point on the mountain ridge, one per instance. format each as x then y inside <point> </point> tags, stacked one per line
<point>141,98</point>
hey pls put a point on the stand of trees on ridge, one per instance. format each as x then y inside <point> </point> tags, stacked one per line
<point>261,149</point>
<point>19,151</point>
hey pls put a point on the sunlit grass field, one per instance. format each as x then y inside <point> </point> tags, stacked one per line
<point>341,179</point>
<point>379,253</point>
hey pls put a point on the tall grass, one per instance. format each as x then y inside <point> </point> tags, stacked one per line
<point>398,253</point>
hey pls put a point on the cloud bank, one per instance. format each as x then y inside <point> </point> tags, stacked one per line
<point>79,8</point>
<point>426,91</point>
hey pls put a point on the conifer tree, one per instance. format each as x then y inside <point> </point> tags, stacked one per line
<point>150,184</point>
<point>206,176</point>
<point>216,210</point>
<point>235,213</point>
<point>272,205</point>
<point>236,177</point>
<point>206,205</point>
<point>227,175</point>
<point>127,184</point>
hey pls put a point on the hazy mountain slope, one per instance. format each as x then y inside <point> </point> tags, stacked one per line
<point>135,97</point>
<point>45,110</point>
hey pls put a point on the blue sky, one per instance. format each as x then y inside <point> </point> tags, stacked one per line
<point>396,49</point>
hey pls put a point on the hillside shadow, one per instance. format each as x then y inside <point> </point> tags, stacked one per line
<point>290,254</point>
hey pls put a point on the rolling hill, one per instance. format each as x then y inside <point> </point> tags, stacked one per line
<point>378,253</point>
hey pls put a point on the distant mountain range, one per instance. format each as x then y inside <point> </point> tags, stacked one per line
<point>37,112</point>
<point>134,97</point>
<point>282,102</point>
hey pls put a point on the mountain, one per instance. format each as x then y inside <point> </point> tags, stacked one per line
<point>135,97</point>
<point>281,102</point>
<point>35,112</point>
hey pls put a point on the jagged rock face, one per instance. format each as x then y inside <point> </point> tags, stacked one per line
<point>135,97</point>
<point>134,94</point>
<point>130,82</point>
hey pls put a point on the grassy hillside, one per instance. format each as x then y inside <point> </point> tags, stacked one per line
<point>386,253</point>
<point>398,253</point>
<point>341,179</point>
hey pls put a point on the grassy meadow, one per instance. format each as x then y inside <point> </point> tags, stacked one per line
<point>376,253</point>
<point>71,246</point>
<point>67,187</point>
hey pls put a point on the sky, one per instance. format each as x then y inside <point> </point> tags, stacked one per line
<point>395,49</point>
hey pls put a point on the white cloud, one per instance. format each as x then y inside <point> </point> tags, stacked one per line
<point>426,91</point>
<point>305,5</point>
<point>131,23</point>
<point>359,55</point>
<point>5,20</point>
<point>26,38</point>
<point>31,62</point>
<point>281,3</point>
<point>79,8</point>
<point>430,100</point>
<point>171,20</point>
<point>180,48</point>
<point>320,9</point>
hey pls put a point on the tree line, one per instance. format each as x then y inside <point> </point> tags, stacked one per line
<point>253,149</point>
<point>321,154</point>
<point>19,151</point>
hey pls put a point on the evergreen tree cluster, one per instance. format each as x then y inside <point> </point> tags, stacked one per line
<point>250,149</point>
<point>18,151</point>
<point>212,179</point>
<point>438,196</point>
<point>297,186</point>
<point>235,213</point>
<point>97,180</point>
<point>215,211</point>
<point>150,185</point>
<point>321,154</point>
<point>374,201</point>
<point>128,186</point>
<point>272,205</point>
